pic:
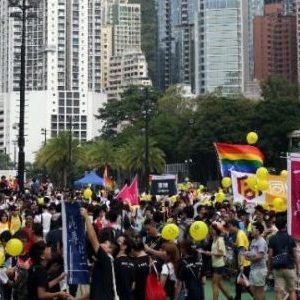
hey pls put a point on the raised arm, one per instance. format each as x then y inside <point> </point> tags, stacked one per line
<point>90,230</point>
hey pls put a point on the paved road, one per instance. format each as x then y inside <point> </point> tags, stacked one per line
<point>245,296</point>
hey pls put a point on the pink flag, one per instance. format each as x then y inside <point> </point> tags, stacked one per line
<point>134,191</point>
<point>124,194</point>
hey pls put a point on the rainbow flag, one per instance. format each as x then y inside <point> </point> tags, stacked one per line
<point>108,182</point>
<point>240,158</point>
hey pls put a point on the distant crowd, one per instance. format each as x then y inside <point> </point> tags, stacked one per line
<point>128,256</point>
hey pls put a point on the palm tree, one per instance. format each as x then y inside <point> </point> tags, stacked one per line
<point>131,157</point>
<point>101,153</point>
<point>84,162</point>
<point>58,155</point>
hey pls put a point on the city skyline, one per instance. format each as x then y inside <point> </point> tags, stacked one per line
<point>81,54</point>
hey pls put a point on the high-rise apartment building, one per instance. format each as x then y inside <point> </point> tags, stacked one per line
<point>123,63</point>
<point>221,50</point>
<point>275,44</point>
<point>125,70</point>
<point>63,71</point>
<point>175,42</point>
<point>289,5</point>
<point>255,8</point>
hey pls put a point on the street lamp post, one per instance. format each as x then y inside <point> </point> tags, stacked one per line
<point>70,141</point>
<point>15,153</point>
<point>188,163</point>
<point>146,114</point>
<point>23,6</point>
<point>44,133</point>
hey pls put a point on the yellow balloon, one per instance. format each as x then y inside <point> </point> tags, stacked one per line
<point>87,194</point>
<point>14,247</point>
<point>265,206</point>
<point>173,198</point>
<point>170,232</point>
<point>252,138</point>
<point>278,204</point>
<point>262,173</point>
<point>198,231</point>
<point>284,174</point>
<point>2,258</point>
<point>201,187</point>
<point>40,200</point>
<point>220,197</point>
<point>226,182</point>
<point>251,181</point>
<point>262,185</point>
<point>283,208</point>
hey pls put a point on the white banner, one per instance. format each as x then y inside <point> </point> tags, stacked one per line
<point>242,192</point>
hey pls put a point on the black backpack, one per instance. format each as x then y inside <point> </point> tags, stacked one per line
<point>169,285</point>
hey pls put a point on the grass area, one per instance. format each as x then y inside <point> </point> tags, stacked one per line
<point>208,292</point>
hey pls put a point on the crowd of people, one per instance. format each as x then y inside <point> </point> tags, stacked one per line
<point>248,245</point>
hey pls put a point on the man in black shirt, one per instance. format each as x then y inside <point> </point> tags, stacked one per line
<point>37,282</point>
<point>283,261</point>
<point>103,285</point>
<point>124,269</point>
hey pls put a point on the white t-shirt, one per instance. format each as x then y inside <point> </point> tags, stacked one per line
<point>46,218</point>
<point>168,270</point>
<point>3,276</point>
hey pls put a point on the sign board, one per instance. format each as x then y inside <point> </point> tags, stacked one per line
<point>163,184</point>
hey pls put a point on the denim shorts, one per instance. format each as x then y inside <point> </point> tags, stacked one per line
<point>219,270</point>
<point>258,277</point>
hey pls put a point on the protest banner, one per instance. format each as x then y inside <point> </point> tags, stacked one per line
<point>74,244</point>
<point>294,195</point>
<point>163,184</point>
<point>243,192</point>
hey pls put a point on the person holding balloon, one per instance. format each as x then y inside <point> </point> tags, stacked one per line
<point>154,240</point>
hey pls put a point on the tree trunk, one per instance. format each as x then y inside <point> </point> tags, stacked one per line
<point>65,177</point>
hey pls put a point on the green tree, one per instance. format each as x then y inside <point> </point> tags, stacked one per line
<point>276,116</point>
<point>220,119</point>
<point>5,161</point>
<point>132,156</point>
<point>101,153</point>
<point>172,122</point>
<point>273,121</point>
<point>56,155</point>
<point>126,112</point>
<point>277,88</point>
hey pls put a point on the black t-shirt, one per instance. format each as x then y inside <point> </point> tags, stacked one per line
<point>54,239</point>
<point>141,265</point>
<point>124,270</point>
<point>154,242</point>
<point>102,283</point>
<point>37,277</point>
<point>282,242</point>
<point>190,271</point>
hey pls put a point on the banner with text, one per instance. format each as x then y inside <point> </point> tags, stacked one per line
<point>163,184</point>
<point>294,195</point>
<point>242,192</point>
<point>74,243</point>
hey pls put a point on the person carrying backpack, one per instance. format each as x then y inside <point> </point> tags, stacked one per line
<point>168,274</point>
<point>190,273</point>
<point>283,261</point>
